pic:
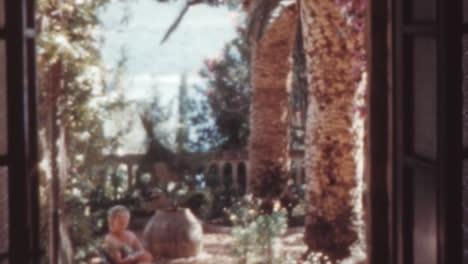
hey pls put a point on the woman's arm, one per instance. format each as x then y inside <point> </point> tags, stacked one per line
<point>140,252</point>
<point>135,243</point>
<point>132,258</point>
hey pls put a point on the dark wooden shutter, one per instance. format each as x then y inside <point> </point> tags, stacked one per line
<point>465,128</point>
<point>4,216</point>
<point>19,219</point>
<point>427,175</point>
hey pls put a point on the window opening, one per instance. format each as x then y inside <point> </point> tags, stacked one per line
<point>203,105</point>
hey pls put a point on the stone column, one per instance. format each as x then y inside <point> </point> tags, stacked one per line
<point>268,144</point>
<point>247,177</point>
<point>129,175</point>
<point>333,49</point>
<point>235,176</point>
<point>220,168</point>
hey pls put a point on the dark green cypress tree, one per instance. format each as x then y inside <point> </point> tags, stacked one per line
<point>222,120</point>
<point>182,137</point>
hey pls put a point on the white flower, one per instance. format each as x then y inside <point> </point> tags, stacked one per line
<point>145,177</point>
<point>276,206</point>
<point>171,186</point>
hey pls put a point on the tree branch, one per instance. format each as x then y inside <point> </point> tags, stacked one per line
<point>258,18</point>
<point>179,18</point>
<point>235,110</point>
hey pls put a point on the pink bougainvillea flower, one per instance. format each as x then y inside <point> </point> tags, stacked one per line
<point>361,110</point>
<point>209,92</point>
<point>240,30</point>
<point>211,63</point>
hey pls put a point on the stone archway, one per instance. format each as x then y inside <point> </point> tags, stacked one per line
<point>227,175</point>
<point>242,176</point>
<point>269,138</point>
<point>211,175</point>
<point>333,51</point>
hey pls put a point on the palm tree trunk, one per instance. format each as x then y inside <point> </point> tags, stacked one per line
<point>269,139</point>
<point>331,141</point>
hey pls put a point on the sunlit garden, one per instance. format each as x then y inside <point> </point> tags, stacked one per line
<point>202,131</point>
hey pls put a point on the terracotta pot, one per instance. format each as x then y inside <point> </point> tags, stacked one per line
<point>173,233</point>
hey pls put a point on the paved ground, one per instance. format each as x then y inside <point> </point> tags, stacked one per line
<point>216,244</point>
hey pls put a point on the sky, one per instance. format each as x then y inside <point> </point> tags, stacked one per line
<point>202,34</point>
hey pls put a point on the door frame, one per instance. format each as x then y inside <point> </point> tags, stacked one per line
<point>21,159</point>
<point>447,165</point>
<point>378,139</point>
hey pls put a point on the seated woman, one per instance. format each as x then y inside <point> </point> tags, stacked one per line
<point>121,244</point>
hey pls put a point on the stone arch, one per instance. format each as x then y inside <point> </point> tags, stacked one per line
<point>270,68</point>
<point>242,176</point>
<point>125,169</point>
<point>227,175</point>
<point>211,175</point>
<point>235,173</point>
<point>302,174</point>
<point>298,172</point>
<point>294,172</point>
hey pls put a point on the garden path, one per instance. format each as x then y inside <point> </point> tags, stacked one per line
<point>216,245</point>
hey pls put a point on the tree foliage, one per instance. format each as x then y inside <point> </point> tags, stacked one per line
<point>75,96</point>
<point>223,118</point>
<point>189,3</point>
<point>184,105</point>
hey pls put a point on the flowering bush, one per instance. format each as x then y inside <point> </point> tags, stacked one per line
<point>317,258</point>
<point>256,233</point>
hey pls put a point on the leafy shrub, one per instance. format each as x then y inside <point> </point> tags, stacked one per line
<point>256,233</point>
<point>317,258</point>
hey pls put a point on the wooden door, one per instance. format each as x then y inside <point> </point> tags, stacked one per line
<point>18,145</point>
<point>427,117</point>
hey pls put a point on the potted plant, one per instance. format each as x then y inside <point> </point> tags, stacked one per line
<point>173,231</point>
